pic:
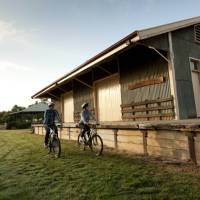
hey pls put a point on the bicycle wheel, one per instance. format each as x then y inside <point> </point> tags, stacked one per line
<point>55,147</point>
<point>97,145</point>
<point>80,142</point>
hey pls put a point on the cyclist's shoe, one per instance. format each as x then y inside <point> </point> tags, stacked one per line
<point>45,146</point>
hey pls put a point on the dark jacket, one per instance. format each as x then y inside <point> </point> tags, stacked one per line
<point>50,116</point>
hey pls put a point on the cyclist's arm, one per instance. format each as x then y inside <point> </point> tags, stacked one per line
<point>92,117</point>
<point>58,117</point>
<point>45,117</point>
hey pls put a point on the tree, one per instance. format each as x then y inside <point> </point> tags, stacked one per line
<point>3,117</point>
<point>17,108</point>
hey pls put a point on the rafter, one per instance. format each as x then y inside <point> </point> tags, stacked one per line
<point>53,95</point>
<point>60,88</point>
<point>83,83</point>
<point>105,70</point>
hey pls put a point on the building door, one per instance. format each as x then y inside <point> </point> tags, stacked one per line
<point>195,70</point>
<point>68,107</point>
<point>108,99</point>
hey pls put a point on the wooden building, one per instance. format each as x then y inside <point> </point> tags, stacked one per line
<point>150,75</point>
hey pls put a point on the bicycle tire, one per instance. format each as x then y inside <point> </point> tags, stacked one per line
<point>97,145</point>
<point>55,147</point>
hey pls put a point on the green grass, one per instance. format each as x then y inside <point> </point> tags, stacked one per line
<point>28,172</point>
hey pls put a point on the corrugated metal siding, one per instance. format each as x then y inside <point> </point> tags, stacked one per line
<point>148,71</point>
<point>184,47</point>
<point>108,94</point>
<point>82,94</point>
<point>132,73</point>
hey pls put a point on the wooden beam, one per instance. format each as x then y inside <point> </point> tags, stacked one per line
<point>147,102</point>
<point>69,131</point>
<point>83,83</point>
<point>191,146</point>
<point>159,108</point>
<point>115,138</point>
<point>60,88</point>
<point>148,116</point>
<point>53,95</point>
<point>105,70</point>
<point>145,135</point>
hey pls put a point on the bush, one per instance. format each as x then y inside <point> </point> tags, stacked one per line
<point>13,123</point>
<point>18,125</point>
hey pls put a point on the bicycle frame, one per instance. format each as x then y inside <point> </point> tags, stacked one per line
<point>91,139</point>
<point>92,132</point>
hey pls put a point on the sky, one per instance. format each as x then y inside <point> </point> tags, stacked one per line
<point>41,40</point>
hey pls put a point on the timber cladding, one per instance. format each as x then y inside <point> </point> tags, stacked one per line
<point>158,109</point>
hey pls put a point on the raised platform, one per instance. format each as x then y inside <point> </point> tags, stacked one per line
<point>177,139</point>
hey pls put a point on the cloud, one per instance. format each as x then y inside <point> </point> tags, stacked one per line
<point>10,32</point>
<point>7,66</point>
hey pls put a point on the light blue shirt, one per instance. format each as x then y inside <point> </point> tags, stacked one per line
<point>86,115</point>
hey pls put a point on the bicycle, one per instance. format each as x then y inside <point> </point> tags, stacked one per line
<point>91,139</point>
<point>54,143</point>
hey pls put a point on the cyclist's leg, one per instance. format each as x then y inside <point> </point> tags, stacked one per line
<point>87,130</point>
<point>82,130</point>
<point>46,135</point>
<point>55,129</point>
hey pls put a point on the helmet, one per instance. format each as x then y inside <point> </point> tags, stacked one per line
<point>84,105</point>
<point>51,104</point>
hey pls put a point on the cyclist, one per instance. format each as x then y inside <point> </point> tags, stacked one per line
<point>85,115</point>
<point>50,116</point>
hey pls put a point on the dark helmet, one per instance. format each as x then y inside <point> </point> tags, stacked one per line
<point>84,105</point>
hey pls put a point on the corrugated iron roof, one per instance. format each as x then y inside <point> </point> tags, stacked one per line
<point>35,108</point>
<point>133,37</point>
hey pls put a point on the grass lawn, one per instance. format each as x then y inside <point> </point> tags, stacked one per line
<point>28,172</point>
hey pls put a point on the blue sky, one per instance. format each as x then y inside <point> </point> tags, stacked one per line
<point>40,40</point>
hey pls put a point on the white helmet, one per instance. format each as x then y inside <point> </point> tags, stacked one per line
<point>51,104</point>
<point>84,105</point>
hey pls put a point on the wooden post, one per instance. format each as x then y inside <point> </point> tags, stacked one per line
<point>145,135</point>
<point>69,133</point>
<point>115,138</point>
<point>191,146</point>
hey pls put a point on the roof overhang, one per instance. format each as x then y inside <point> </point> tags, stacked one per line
<point>117,47</point>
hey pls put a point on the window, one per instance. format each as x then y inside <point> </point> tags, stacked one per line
<point>195,74</point>
<point>197,33</point>
<point>195,64</point>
